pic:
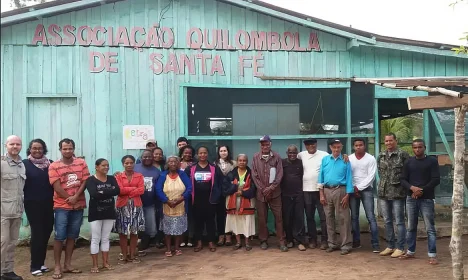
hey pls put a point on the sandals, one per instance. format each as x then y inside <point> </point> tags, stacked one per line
<point>57,275</point>
<point>108,267</point>
<point>94,270</point>
<point>237,246</point>
<point>198,248</point>
<point>248,247</point>
<point>220,242</point>
<point>136,260</point>
<point>73,271</point>
<point>178,252</point>
<point>121,257</point>
<point>406,257</point>
<point>168,254</point>
<point>433,261</point>
<point>213,248</point>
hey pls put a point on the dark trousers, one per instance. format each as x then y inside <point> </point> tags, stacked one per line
<point>312,203</point>
<point>204,215</point>
<point>221,217</point>
<point>41,220</point>
<point>262,211</point>
<point>293,218</point>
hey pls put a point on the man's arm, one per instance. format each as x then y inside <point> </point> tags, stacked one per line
<point>59,190</point>
<point>370,175</point>
<point>435,177</point>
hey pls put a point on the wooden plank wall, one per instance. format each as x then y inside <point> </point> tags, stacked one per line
<point>135,95</point>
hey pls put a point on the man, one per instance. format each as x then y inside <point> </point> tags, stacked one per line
<point>181,142</point>
<point>420,177</point>
<point>267,172</point>
<point>150,145</point>
<point>151,175</point>
<point>68,176</point>
<point>392,195</point>
<point>13,177</point>
<point>293,199</point>
<point>311,161</point>
<point>363,167</point>
<point>336,185</point>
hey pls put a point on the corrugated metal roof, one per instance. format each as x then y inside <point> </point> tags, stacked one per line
<point>79,5</point>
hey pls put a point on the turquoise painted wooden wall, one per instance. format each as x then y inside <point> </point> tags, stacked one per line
<point>49,92</point>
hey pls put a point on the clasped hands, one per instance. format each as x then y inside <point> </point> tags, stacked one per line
<point>417,192</point>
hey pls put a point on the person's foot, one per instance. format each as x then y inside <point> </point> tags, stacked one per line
<point>290,244</point>
<point>301,247</point>
<point>212,247</point>
<point>11,276</point>
<point>142,253</point>
<point>324,246</point>
<point>376,250</point>
<point>37,273</point>
<point>183,244</point>
<point>330,249</point>
<point>397,253</point>
<point>44,269</point>
<point>220,240</point>
<point>237,246</point>
<point>345,252</point>
<point>228,240</point>
<point>263,245</point>
<point>357,244</point>
<point>248,247</point>
<point>94,270</point>
<point>283,248</point>
<point>387,252</point>
<point>433,261</point>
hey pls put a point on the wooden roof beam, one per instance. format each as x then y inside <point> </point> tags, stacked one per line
<point>435,102</point>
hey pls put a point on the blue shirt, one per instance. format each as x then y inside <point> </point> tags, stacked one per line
<point>335,172</point>
<point>151,175</point>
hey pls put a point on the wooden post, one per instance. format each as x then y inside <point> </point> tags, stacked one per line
<point>457,199</point>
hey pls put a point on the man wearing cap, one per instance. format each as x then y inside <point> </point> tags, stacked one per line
<point>311,162</point>
<point>336,185</point>
<point>267,172</point>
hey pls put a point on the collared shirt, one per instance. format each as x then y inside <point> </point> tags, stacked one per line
<point>311,164</point>
<point>363,170</point>
<point>12,183</point>
<point>390,166</point>
<point>336,172</point>
<point>267,172</point>
<point>291,184</point>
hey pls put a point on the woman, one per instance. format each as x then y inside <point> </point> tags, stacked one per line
<point>158,158</point>
<point>150,177</point>
<point>101,212</point>
<point>226,165</point>
<point>206,192</point>
<point>187,155</point>
<point>174,189</point>
<point>240,190</point>
<point>38,203</point>
<point>130,218</point>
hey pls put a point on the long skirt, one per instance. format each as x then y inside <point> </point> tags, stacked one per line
<point>130,219</point>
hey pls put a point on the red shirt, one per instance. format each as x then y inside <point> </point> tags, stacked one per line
<point>132,189</point>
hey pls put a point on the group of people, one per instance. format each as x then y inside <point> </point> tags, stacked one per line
<point>173,200</point>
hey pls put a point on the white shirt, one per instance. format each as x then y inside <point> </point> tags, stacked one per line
<point>363,170</point>
<point>311,164</point>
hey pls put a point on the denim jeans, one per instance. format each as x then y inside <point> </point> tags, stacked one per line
<point>390,209</point>
<point>67,224</point>
<point>426,208</point>
<point>367,198</point>
<point>150,221</point>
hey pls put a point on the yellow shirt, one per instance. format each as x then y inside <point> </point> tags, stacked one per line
<point>173,189</point>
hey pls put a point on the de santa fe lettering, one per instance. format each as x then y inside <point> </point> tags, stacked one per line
<point>156,37</point>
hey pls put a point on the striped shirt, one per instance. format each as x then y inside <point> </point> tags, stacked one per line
<point>71,176</point>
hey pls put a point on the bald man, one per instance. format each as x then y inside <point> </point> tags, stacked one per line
<point>13,176</point>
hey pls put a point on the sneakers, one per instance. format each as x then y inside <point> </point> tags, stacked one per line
<point>357,244</point>
<point>290,244</point>
<point>301,247</point>
<point>387,252</point>
<point>376,250</point>
<point>397,253</point>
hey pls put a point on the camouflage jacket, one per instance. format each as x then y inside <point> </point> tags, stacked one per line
<point>390,166</point>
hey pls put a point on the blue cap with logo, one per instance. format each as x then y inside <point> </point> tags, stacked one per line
<point>265,138</point>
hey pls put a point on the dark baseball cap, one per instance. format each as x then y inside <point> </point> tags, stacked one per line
<point>310,141</point>
<point>265,138</point>
<point>335,141</point>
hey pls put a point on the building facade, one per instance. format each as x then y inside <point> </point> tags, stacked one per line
<point>215,71</point>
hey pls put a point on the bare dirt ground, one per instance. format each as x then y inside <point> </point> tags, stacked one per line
<point>258,264</point>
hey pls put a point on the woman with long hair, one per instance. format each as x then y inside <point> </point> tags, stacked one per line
<point>38,203</point>
<point>240,191</point>
<point>207,188</point>
<point>101,212</point>
<point>226,164</point>
<point>174,190</point>
<point>129,207</point>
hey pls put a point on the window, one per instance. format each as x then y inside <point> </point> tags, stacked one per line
<point>362,108</point>
<point>251,111</point>
<point>447,122</point>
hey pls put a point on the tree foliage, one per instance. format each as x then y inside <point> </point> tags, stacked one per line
<point>24,3</point>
